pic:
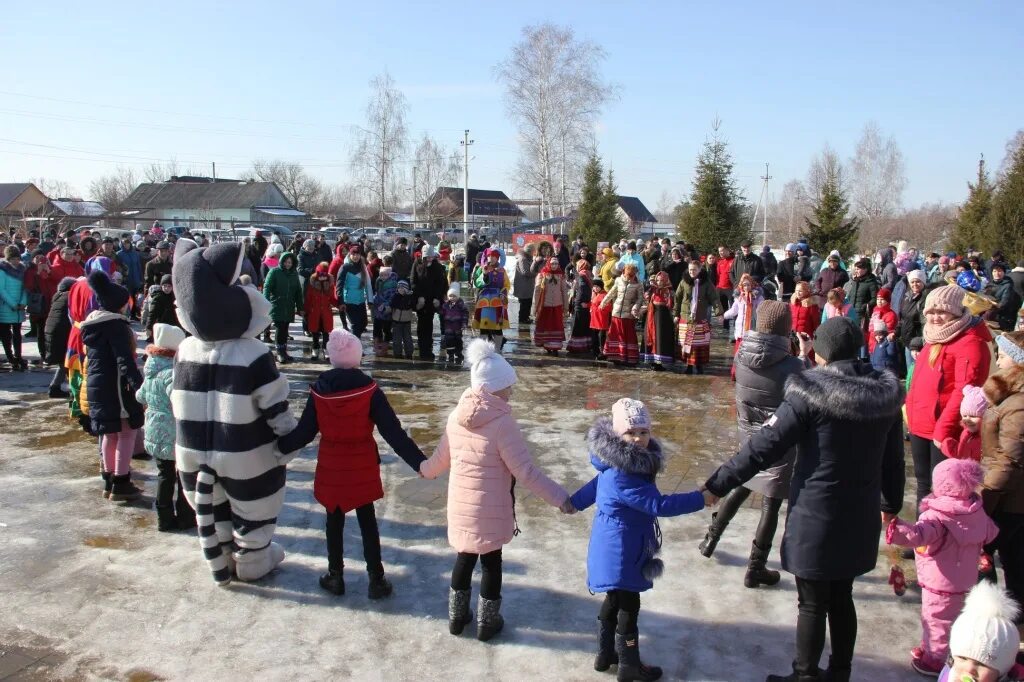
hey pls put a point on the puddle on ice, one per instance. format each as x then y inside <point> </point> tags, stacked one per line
<point>106,542</point>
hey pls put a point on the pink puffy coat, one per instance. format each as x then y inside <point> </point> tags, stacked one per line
<point>485,449</point>
<point>949,535</point>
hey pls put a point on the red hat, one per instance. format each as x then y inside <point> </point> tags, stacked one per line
<point>885,293</point>
<point>322,268</point>
<point>353,249</point>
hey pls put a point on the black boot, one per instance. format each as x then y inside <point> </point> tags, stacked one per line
<point>166,521</point>
<point>333,581</point>
<point>797,677</point>
<point>630,667</point>
<point>720,519</point>
<point>606,656</point>
<point>459,614</point>
<point>58,392</point>
<point>186,514</point>
<point>712,536</point>
<point>122,489</point>
<point>757,573</point>
<point>107,483</point>
<point>282,356</point>
<point>489,620</point>
<point>379,587</point>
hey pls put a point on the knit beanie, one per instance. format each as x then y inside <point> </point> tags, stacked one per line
<point>918,275</point>
<point>275,249</point>
<point>838,338</point>
<point>629,414</point>
<point>487,369</point>
<point>1010,348</point>
<point>878,325</point>
<point>947,299</point>
<point>985,631</point>
<point>773,317</point>
<point>344,349</point>
<point>454,290</point>
<point>427,252</point>
<point>974,403</point>
<point>885,293</point>
<point>167,336</point>
<point>957,478</point>
<point>167,279</point>
<point>111,297</point>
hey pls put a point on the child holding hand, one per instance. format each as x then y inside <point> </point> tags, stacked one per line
<point>972,409</point>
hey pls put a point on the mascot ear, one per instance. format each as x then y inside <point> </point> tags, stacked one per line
<point>226,260</point>
<point>210,306</point>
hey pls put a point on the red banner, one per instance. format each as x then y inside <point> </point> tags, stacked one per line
<point>520,240</point>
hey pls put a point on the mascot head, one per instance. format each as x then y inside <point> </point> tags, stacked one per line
<point>212,304</point>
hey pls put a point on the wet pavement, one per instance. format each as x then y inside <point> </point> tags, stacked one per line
<point>94,592</point>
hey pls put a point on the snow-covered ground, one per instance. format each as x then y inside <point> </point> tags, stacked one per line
<point>96,582</point>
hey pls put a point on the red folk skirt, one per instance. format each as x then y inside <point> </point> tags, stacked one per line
<point>622,345</point>
<point>549,333</point>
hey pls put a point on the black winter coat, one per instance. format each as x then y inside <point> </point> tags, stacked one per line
<point>861,294</point>
<point>911,324</point>
<point>845,421</point>
<point>57,327</point>
<point>401,263</point>
<point>750,264</point>
<point>1009,303</point>
<point>790,272</point>
<point>156,269</point>
<point>161,309</point>
<point>430,283</point>
<point>675,270</point>
<point>112,375</point>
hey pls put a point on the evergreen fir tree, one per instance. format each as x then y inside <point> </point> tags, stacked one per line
<point>1005,227</point>
<point>973,219</point>
<point>596,219</point>
<point>716,208</point>
<point>831,229</point>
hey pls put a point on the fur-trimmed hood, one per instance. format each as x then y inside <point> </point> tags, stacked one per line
<point>608,451</point>
<point>1004,383</point>
<point>848,390</point>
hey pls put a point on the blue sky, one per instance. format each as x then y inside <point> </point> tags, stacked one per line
<point>230,82</point>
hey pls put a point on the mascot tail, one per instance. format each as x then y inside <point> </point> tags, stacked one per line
<point>208,539</point>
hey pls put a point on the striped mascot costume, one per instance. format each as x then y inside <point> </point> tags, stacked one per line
<point>230,405</point>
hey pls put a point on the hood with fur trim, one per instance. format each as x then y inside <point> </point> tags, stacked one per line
<point>1004,383</point>
<point>609,451</point>
<point>848,390</point>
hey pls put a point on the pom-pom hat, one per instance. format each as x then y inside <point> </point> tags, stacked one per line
<point>110,296</point>
<point>974,403</point>
<point>985,631</point>
<point>344,349</point>
<point>487,369</point>
<point>167,336</point>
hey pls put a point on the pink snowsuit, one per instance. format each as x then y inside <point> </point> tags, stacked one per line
<point>948,535</point>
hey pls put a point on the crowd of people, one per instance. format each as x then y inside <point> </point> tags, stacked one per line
<point>837,363</point>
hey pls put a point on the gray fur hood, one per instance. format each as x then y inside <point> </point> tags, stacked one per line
<point>848,390</point>
<point>608,451</point>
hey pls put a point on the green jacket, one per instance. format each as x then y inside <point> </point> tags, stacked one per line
<point>707,297</point>
<point>284,291</point>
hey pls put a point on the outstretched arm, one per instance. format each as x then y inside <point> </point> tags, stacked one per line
<point>644,496</point>
<point>585,496</point>
<point>304,433</point>
<point>439,461</point>
<point>270,394</point>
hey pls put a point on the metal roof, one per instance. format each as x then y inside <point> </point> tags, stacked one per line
<point>205,195</point>
<point>280,211</point>
<point>636,210</point>
<point>75,207</point>
<point>9,191</point>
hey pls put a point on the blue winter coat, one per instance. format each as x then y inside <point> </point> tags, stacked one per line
<point>155,394</point>
<point>12,293</point>
<point>130,261</point>
<point>625,538</point>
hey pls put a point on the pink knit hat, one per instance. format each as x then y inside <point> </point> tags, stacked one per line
<point>629,414</point>
<point>957,478</point>
<point>974,403</point>
<point>949,299</point>
<point>344,349</point>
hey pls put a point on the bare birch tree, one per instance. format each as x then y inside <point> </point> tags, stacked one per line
<point>436,166</point>
<point>382,142</point>
<point>298,186</point>
<point>53,188</point>
<point>554,93</point>
<point>877,175</point>
<point>111,190</point>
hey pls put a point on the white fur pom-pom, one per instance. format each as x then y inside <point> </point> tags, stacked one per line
<point>479,350</point>
<point>986,600</point>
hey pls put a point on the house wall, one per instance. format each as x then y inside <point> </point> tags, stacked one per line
<point>205,217</point>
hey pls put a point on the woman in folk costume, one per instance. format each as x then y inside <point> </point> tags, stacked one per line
<point>490,316</point>
<point>550,300</point>
<point>746,298</point>
<point>582,289</point>
<point>82,301</point>
<point>660,328</point>
<point>695,296</point>
<point>624,301</point>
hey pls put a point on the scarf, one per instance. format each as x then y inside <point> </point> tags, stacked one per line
<point>947,332</point>
<point>747,297</point>
<point>694,297</point>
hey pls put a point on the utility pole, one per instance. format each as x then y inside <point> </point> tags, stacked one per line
<point>414,169</point>
<point>764,228</point>
<point>465,188</point>
<point>214,163</point>
<point>563,174</point>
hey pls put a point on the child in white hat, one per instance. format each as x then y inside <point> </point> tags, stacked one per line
<point>984,640</point>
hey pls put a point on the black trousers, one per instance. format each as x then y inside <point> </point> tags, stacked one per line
<point>821,600</point>
<point>281,335</point>
<point>10,337</point>
<point>317,337</point>
<point>597,339</point>
<point>767,525</point>
<point>1009,545</point>
<point>382,330</point>
<point>621,608</point>
<point>452,343</point>
<point>490,578</point>
<point>926,458</point>
<point>525,305</point>
<point>167,482</point>
<point>356,314</point>
<point>60,375</point>
<point>367,518</point>
<point>425,331</point>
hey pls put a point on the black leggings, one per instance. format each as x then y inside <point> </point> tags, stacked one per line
<point>820,600</point>
<point>356,314</point>
<point>490,578</point>
<point>1009,544</point>
<point>597,339</point>
<point>926,458</point>
<point>764,536</point>
<point>525,305</point>
<point>317,336</point>
<point>281,331</point>
<point>367,518</point>
<point>10,336</point>
<point>621,608</point>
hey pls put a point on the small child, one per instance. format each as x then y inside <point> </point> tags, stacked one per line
<point>600,319</point>
<point>836,305</point>
<point>385,286</point>
<point>147,304</point>
<point>951,530</point>
<point>625,538</point>
<point>884,356</point>
<point>804,307</point>
<point>344,405</point>
<point>884,312</point>
<point>454,318</point>
<point>161,306</point>
<point>320,302</point>
<point>158,376</point>
<point>972,409</point>
<point>402,304</point>
<point>488,457</point>
<point>984,640</point>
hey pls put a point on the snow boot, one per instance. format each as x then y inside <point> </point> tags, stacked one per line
<point>757,573</point>
<point>58,392</point>
<point>630,668</point>
<point>459,614</point>
<point>333,581</point>
<point>794,676</point>
<point>185,514</point>
<point>489,620</point>
<point>122,489</point>
<point>107,483</point>
<point>379,587</point>
<point>837,675</point>
<point>713,535</point>
<point>606,656</point>
<point>282,356</point>
<point>166,521</point>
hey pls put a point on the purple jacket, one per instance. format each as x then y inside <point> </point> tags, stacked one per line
<point>948,535</point>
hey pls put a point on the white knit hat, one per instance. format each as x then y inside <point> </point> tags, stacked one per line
<point>918,275</point>
<point>167,336</point>
<point>985,631</point>
<point>454,290</point>
<point>487,369</point>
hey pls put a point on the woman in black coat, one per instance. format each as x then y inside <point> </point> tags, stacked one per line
<point>56,329</point>
<point>848,477</point>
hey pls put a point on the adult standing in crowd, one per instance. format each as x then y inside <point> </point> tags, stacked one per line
<point>528,267</point>
<point>282,288</point>
<point>771,263</point>
<point>955,354</point>
<point>844,419</point>
<point>720,274</point>
<point>674,266</point>
<point>130,263</point>
<point>790,272</point>
<point>748,263</point>
<point>1008,301</point>
<point>911,322</point>
<point>831,277</point>
<point>861,293</point>
<point>354,291</point>
<point>401,259</point>
<point>159,265</point>
<point>429,288</point>
<point>473,250</point>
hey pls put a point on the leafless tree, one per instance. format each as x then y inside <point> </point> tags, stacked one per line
<point>435,166</point>
<point>664,211</point>
<point>340,201</point>
<point>298,186</point>
<point>53,188</point>
<point>382,142</point>
<point>786,214</point>
<point>111,190</point>
<point>554,94</point>
<point>926,228</point>
<point>877,175</point>
<point>1012,145</point>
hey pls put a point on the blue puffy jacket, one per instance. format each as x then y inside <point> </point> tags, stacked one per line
<point>625,538</point>
<point>130,261</point>
<point>12,293</point>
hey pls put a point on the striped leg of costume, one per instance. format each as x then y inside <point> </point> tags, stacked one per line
<point>213,516</point>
